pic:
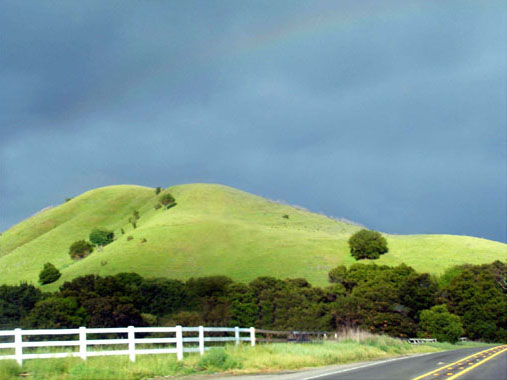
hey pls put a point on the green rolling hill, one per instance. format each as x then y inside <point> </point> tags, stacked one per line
<point>213,230</point>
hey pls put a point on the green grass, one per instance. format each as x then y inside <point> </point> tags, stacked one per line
<point>232,359</point>
<point>213,230</point>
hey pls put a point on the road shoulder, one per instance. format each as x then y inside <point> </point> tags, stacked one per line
<point>303,373</point>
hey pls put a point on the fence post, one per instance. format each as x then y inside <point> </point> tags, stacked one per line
<point>179,342</point>
<point>201,340</point>
<point>132,343</point>
<point>236,334</point>
<point>18,349</point>
<point>82,342</point>
<point>252,336</point>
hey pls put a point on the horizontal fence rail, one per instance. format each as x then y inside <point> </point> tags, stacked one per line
<point>87,342</point>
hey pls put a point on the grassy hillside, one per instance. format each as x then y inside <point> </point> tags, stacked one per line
<point>213,230</point>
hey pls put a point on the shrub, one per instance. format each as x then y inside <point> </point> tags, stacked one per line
<point>157,206</point>
<point>129,238</point>
<point>218,358</point>
<point>101,237</point>
<point>438,323</point>
<point>134,218</point>
<point>49,274</point>
<point>185,318</point>
<point>285,216</point>
<point>158,190</point>
<point>367,244</point>
<point>149,319</point>
<point>167,200</point>
<point>80,249</point>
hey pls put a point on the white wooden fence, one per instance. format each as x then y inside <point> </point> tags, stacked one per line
<point>195,337</point>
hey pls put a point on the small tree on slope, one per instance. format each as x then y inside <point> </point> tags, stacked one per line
<point>49,274</point>
<point>367,244</point>
<point>101,237</point>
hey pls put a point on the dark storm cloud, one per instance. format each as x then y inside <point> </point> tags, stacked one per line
<point>391,114</point>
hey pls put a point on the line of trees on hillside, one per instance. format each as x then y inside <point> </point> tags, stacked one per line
<point>468,300</point>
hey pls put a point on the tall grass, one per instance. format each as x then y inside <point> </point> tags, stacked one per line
<point>352,346</point>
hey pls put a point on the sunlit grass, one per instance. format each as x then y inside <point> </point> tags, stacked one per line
<point>213,230</point>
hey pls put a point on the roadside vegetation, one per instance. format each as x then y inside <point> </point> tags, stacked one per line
<point>230,359</point>
<point>395,301</point>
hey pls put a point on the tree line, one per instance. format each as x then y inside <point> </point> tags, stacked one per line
<point>468,300</point>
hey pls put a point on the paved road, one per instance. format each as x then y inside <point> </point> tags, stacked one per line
<point>485,363</point>
<point>494,369</point>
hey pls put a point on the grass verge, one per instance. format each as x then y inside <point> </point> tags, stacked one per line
<point>231,359</point>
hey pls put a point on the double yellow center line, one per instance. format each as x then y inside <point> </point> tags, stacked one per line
<point>454,370</point>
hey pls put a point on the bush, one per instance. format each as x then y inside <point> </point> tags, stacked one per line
<point>218,358</point>
<point>185,318</point>
<point>130,237</point>
<point>101,237</point>
<point>134,218</point>
<point>367,244</point>
<point>158,190</point>
<point>438,323</point>
<point>49,274</point>
<point>167,200</point>
<point>157,206</point>
<point>80,249</point>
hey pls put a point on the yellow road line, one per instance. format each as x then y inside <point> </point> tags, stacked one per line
<point>454,363</point>
<point>476,365</point>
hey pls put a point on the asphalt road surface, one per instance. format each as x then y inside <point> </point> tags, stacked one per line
<point>484,363</point>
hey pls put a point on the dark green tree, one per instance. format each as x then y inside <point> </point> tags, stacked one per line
<point>80,249</point>
<point>243,306</point>
<point>158,190</point>
<point>49,274</point>
<point>438,323</point>
<point>56,312</point>
<point>100,237</point>
<point>162,296</point>
<point>367,244</point>
<point>167,200</point>
<point>15,303</point>
<point>478,294</point>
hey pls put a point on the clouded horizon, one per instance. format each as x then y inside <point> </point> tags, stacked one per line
<point>391,114</point>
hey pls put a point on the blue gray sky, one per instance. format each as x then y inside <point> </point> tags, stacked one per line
<point>388,113</point>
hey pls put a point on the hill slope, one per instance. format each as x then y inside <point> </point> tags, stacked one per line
<point>213,230</point>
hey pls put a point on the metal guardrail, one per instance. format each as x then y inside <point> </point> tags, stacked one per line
<point>420,340</point>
